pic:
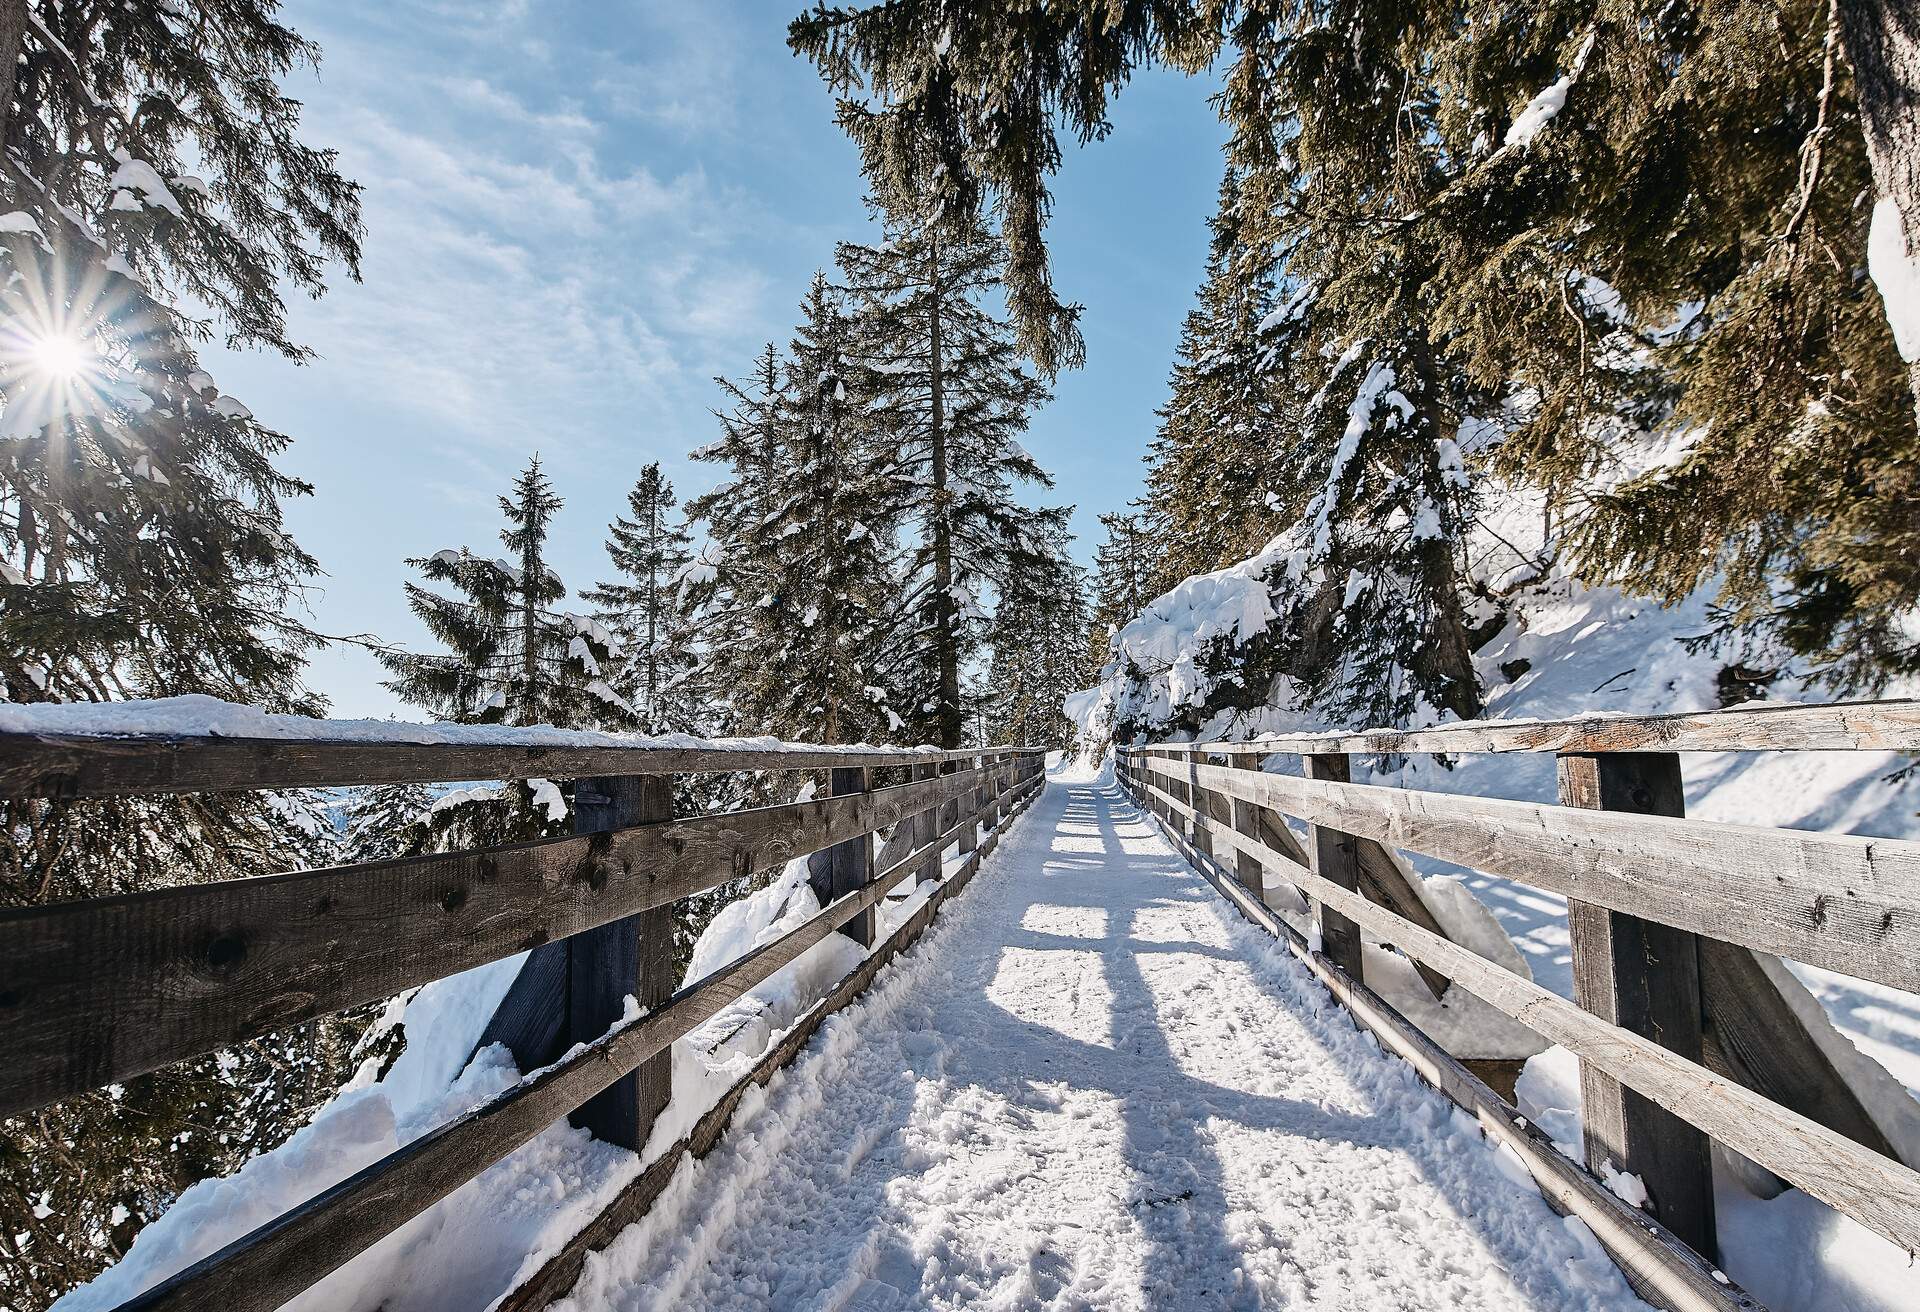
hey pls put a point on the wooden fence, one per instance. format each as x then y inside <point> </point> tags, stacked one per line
<point>94,992</point>
<point>1682,1036</point>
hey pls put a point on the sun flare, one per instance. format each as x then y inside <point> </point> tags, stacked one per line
<point>60,356</point>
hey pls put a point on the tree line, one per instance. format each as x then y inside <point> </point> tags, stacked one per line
<point>1634,264</point>
<point>863,570</point>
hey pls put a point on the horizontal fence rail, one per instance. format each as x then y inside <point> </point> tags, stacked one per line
<point>106,765</point>
<point>96,991</point>
<point>100,990</point>
<point>1665,915</point>
<point>1888,725</point>
<point>1848,903</point>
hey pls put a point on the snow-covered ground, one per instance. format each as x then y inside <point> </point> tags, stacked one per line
<point>1093,1086</point>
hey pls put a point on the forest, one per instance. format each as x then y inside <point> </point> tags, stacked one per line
<point>1504,307</point>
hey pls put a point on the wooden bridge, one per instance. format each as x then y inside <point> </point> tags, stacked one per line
<point>94,992</point>
<point>1681,1037</point>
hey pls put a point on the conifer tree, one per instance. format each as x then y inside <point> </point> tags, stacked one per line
<point>511,659</point>
<point>1128,572</point>
<point>1608,237</point>
<point>642,607</point>
<point>1215,463</point>
<point>951,395</point>
<point>386,821</point>
<point>142,548</point>
<point>1038,638</point>
<point>801,533</point>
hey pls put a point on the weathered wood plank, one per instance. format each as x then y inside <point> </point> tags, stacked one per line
<point>630,956</point>
<point>74,765</point>
<point>1891,725</point>
<point>266,1267</point>
<point>1645,977</point>
<point>1385,877</point>
<point>1753,1036</point>
<point>1657,1265</point>
<point>553,1281</point>
<point>1880,1193</point>
<point>1848,903</point>
<point>1336,861</point>
<point>850,863</point>
<point>94,992</point>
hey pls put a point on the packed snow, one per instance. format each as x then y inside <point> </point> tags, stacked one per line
<point>1093,1086</point>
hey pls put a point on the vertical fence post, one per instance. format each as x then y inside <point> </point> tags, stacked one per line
<point>1645,977</point>
<point>1336,857</point>
<point>630,956</point>
<point>1197,798</point>
<point>1246,820</point>
<point>848,866</point>
<point>948,815</point>
<point>926,827</point>
<point>970,801</point>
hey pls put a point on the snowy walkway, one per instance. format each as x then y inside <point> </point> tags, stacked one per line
<point>1092,1086</point>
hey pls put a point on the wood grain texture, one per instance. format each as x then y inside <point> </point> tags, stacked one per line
<point>1645,977</point>
<point>94,992</point>
<point>1879,1193</point>
<point>1753,1036</point>
<point>1657,1265</point>
<point>1336,861</point>
<point>1848,903</point>
<point>555,1279</point>
<point>630,956</point>
<point>72,765</point>
<point>263,1269</point>
<point>1891,725</point>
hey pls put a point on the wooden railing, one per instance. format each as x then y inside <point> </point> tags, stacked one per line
<point>94,992</point>
<point>1681,1036</point>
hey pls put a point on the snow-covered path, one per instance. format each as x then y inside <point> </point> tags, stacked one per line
<point>1092,1086</point>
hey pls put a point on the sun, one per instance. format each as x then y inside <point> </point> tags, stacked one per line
<point>59,356</point>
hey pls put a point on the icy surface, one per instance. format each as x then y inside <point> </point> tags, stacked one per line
<point>1093,1086</point>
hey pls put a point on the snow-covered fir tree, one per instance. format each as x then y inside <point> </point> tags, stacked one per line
<point>1634,256</point>
<point>150,162</point>
<point>1128,572</point>
<point>386,821</point>
<point>1038,640</point>
<point>1213,464</point>
<point>799,604</point>
<point>643,607</point>
<point>950,393</point>
<point>511,658</point>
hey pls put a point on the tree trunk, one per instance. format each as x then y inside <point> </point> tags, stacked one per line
<point>13,32</point>
<point>1882,41</point>
<point>946,617</point>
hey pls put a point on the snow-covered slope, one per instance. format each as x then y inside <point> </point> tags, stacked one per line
<point>1568,650</point>
<point>466,1251</point>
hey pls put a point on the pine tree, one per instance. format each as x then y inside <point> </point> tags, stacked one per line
<point>642,607</point>
<point>797,611</point>
<point>1214,465</point>
<point>952,397</point>
<point>511,659</point>
<point>387,821</point>
<point>142,548</point>
<point>1038,639</point>
<point>1595,238</point>
<point>1128,572</point>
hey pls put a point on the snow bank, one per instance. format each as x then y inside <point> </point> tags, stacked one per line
<point>469,1249</point>
<point>1793,1253</point>
<point>200,716</point>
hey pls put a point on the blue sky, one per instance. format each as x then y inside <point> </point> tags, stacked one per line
<point>578,214</point>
